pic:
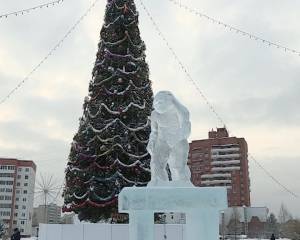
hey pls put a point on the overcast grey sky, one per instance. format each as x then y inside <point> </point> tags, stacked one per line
<point>255,88</point>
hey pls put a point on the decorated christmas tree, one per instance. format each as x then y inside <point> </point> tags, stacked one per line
<point>2,230</point>
<point>109,150</point>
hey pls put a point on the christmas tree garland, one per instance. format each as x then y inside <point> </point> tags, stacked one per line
<point>109,150</point>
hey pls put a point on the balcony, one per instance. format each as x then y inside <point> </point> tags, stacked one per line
<point>225,169</point>
<point>224,150</point>
<point>213,182</point>
<point>229,162</point>
<point>232,155</point>
<point>216,175</point>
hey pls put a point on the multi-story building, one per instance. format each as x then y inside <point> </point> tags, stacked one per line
<point>68,218</point>
<point>49,214</point>
<point>221,160</point>
<point>249,221</point>
<point>17,180</point>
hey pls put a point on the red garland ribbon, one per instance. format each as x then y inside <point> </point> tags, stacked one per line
<point>125,8</point>
<point>90,203</point>
<point>97,166</point>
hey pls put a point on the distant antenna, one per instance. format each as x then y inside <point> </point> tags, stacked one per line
<point>47,190</point>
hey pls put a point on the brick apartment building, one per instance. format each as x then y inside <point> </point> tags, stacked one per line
<point>17,180</point>
<point>221,160</point>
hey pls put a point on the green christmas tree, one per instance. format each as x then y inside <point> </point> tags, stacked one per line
<point>109,150</point>
<point>2,230</point>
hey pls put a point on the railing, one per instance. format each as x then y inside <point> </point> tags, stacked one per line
<point>232,155</point>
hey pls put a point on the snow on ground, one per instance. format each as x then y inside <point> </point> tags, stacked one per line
<point>34,238</point>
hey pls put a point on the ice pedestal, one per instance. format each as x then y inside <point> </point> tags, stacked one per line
<point>201,205</point>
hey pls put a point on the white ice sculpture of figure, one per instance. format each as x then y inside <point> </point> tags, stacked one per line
<point>170,128</point>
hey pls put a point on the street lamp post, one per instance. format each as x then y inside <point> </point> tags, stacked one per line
<point>223,225</point>
<point>245,220</point>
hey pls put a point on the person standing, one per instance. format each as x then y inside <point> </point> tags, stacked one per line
<point>16,235</point>
<point>272,237</point>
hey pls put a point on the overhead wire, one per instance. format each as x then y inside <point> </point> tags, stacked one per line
<point>52,50</point>
<point>236,30</point>
<point>182,66</point>
<point>211,107</point>
<point>272,177</point>
<point>190,78</point>
<point>27,10</point>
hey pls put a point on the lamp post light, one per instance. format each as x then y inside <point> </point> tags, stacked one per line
<point>245,220</point>
<point>223,225</point>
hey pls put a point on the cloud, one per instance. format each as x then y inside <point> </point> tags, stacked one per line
<point>255,88</point>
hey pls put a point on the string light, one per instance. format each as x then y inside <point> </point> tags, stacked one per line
<point>273,178</point>
<point>56,46</point>
<point>234,29</point>
<point>219,118</point>
<point>23,11</point>
<point>182,66</point>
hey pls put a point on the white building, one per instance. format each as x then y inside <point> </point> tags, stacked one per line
<point>68,218</point>
<point>17,180</point>
<point>49,214</point>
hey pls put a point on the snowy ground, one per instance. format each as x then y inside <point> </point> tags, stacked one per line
<point>33,238</point>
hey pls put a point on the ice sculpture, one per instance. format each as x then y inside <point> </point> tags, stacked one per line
<point>201,206</point>
<point>170,128</point>
<point>168,144</point>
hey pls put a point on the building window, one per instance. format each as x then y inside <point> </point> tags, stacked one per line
<point>26,169</point>
<point>23,214</point>
<point>18,191</point>
<point>17,199</point>
<point>5,205</point>
<point>26,176</point>
<point>20,169</point>
<point>23,207</point>
<point>4,214</point>
<point>25,191</point>
<point>24,199</point>
<point>18,184</point>
<point>16,207</point>
<point>7,175</point>
<point>19,177</point>
<point>7,197</point>
<point>25,184</point>
<point>16,214</point>
<point>6,182</point>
